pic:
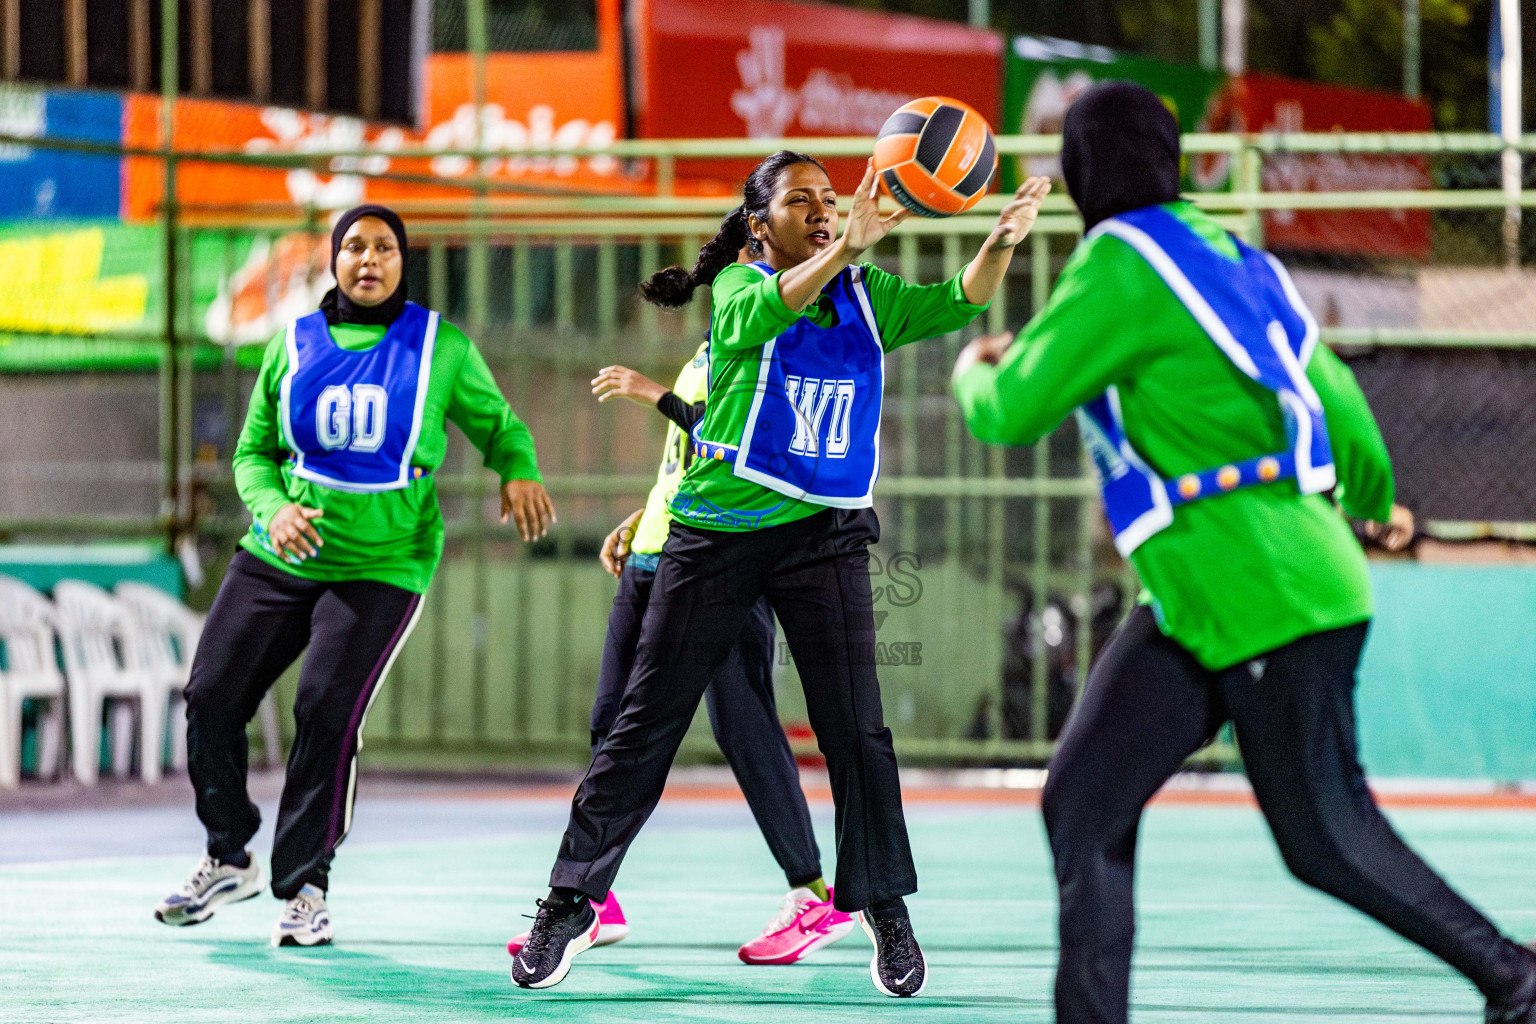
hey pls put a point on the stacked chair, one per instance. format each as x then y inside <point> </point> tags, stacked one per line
<point>104,656</point>
<point>135,643</point>
<point>30,670</point>
<point>169,632</point>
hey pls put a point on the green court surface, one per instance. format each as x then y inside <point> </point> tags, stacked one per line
<point>425,900</point>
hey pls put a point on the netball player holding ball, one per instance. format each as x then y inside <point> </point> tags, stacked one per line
<point>777,503</point>
<point>345,426</point>
<point>740,699</point>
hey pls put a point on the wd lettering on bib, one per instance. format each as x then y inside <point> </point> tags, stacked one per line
<point>812,400</point>
<point>813,432</point>
<point>352,418</point>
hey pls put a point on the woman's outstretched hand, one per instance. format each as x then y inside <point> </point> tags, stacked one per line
<point>865,224</point>
<point>1019,215</point>
<point>622,382</point>
<point>527,502</point>
<point>984,275</point>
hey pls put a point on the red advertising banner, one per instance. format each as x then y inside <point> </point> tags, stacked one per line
<point>770,68</point>
<point>1269,103</point>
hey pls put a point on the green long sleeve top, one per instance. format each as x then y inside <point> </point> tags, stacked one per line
<point>1237,574</point>
<point>394,537</point>
<point>746,314</point>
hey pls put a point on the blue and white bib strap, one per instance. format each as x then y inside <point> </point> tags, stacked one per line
<point>711,450</point>
<point>1250,309</point>
<point>1263,469</point>
<point>413,473</point>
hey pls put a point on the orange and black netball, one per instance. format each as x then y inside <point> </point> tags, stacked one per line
<point>936,156</point>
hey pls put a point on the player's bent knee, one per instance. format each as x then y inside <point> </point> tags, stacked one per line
<point>207,706</point>
<point>1314,857</point>
<point>1057,802</point>
<point>1076,820</point>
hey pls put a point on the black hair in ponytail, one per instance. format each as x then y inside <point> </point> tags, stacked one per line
<point>674,286</point>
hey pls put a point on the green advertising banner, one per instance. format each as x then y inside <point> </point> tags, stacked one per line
<point>1045,75</point>
<point>90,295</point>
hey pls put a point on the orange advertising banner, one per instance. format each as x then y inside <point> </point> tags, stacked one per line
<point>573,99</point>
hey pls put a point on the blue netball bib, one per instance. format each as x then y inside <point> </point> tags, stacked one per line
<point>1252,312</point>
<point>813,432</point>
<point>352,419</point>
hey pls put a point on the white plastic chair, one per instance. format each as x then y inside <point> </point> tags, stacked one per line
<point>31,670</point>
<point>103,657</point>
<point>171,632</point>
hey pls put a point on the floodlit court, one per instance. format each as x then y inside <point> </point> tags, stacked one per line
<point>436,877</point>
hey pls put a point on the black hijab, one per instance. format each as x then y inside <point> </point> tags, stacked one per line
<point>1119,151</point>
<point>339,309</point>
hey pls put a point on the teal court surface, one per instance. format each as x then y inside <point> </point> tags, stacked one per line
<point>435,878</point>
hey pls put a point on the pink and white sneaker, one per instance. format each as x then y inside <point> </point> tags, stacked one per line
<point>611,926</point>
<point>804,924</point>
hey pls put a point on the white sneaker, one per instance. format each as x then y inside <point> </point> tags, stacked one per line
<point>306,920</point>
<point>209,887</point>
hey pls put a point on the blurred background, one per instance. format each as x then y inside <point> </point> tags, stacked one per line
<point>168,176</point>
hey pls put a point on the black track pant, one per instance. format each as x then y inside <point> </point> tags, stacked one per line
<point>815,574</point>
<point>260,622</point>
<point>743,714</point>
<point>1147,706</point>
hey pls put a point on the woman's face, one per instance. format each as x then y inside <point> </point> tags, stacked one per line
<point>802,218</point>
<point>369,265</point>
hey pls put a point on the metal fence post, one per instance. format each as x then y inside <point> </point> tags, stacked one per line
<point>997,511</point>
<point>170,375</point>
<point>650,262</point>
<point>437,275</point>
<point>1251,168</point>
<point>908,266</point>
<point>953,526</point>
<point>694,319</point>
<point>1411,38</point>
<point>1087,517</point>
<point>522,284</point>
<point>1040,565</point>
<point>565,286</point>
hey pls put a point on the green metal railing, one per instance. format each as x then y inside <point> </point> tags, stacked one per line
<point>504,662</point>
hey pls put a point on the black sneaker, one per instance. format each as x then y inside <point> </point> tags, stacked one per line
<point>562,929</point>
<point>898,968</point>
<point>1522,1008</point>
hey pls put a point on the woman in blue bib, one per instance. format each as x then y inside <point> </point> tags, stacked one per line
<point>345,426</point>
<point>1219,425</point>
<point>777,503</point>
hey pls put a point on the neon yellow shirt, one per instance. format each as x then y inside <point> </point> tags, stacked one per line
<point>651,532</point>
